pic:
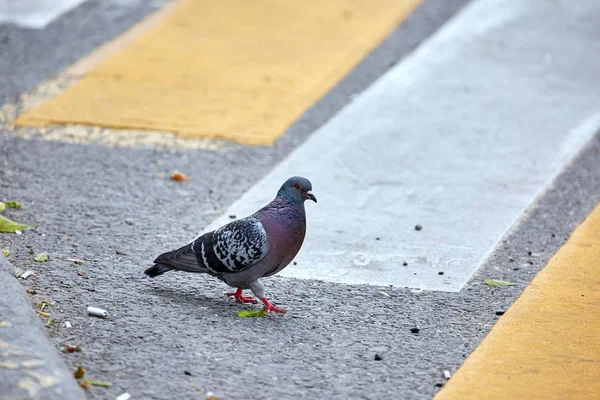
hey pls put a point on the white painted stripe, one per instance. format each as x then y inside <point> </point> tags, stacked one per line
<point>459,138</point>
<point>34,14</point>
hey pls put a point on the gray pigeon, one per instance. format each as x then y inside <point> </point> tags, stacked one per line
<point>250,248</point>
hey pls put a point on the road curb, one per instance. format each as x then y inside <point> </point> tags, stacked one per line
<point>30,366</point>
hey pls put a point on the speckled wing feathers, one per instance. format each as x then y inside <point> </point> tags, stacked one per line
<point>233,247</point>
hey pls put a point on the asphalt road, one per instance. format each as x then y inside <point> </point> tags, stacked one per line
<point>180,334</point>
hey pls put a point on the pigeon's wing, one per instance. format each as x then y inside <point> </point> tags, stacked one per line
<point>233,247</point>
<point>183,259</point>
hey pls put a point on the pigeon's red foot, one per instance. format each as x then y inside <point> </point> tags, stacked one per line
<point>271,307</point>
<point>237,295</point>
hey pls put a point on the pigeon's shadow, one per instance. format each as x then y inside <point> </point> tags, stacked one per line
<point>191,300</point>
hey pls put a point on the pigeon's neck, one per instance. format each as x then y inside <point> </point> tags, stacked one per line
<point>283,197</point>
<point>283,205</point>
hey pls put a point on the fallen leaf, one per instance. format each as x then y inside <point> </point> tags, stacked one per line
<point>13,204</point>
<point>43,314</point>
<point>10,226</point>
<point>50,322</point>
<point>79,273</point>
<point>42,257</point>
<point>6,252</point>
<point>498,283</point>
<point>250,314</point>
<point>84,384</point>
<point>96,382</point>
<point>67,348</point>
<point>42,304</point>
<point>179,177</point>
<point>79,372</point>
<point>2,206</point>
<point>75,260</point>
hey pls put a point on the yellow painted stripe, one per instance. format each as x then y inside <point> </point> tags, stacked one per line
<point>547,346</point>
<point>236,69</point>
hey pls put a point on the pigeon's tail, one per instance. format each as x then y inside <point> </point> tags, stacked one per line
<point>183,259</point>
<point>157,270</point>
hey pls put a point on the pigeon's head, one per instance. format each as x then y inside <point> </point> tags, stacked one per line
<point>297,189</point>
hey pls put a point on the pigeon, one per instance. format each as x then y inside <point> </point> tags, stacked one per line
<point>245,250</point>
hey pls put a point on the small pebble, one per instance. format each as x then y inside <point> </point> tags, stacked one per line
<point>295,263</point>
<point>232,216</point>
<point>439,384</point>
<point>499,312</point>
<point>188,373</point>
<point>415,329</point>
<point>553,235</point>
<point>515,268</point>
<point>378,357</point>
<point>511,260</point>
<point>405,263</point>
<point>377,238</point>
<point>441,273</point>
<point>418,227</point>
<point>529,252</point>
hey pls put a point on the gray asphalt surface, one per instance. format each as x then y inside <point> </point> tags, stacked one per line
<point>29,56</point>
<point>88,202</point>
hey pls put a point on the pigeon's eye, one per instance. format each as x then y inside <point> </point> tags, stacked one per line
<point>297,186</point>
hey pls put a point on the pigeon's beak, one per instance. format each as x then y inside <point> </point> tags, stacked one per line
<point>311,196</point>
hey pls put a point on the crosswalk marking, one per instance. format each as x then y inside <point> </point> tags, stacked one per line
<point>34,14</point>
<point>236,70</point>
<point>460,138</point>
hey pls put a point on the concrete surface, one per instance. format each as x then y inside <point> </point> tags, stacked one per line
<point>159,330</point>
<point>30,366</point>
<point>456,138</point>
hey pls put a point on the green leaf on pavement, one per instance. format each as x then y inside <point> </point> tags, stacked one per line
<point>498,283</point>
<point>13,204</point>
<point>41,257</point>
<point>250,314</point>
<point>95,382</point>
<point>10,226</point>
<point>6,252</point>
